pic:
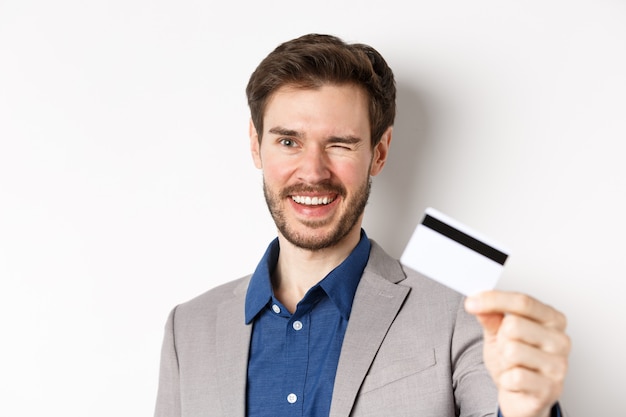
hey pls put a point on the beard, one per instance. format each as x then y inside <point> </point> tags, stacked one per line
<point>342,226</point>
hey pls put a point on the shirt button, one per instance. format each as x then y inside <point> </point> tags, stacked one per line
<point>297,325</point>
<point>275,308</point>
<point>292,398</point>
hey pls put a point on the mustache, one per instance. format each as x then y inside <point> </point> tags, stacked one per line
<point>327,188</point>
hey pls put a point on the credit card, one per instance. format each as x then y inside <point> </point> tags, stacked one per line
<point>453,254</point>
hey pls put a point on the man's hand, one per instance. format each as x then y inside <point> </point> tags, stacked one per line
<point>526,350</point>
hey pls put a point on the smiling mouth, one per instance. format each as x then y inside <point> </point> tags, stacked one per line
<point>312,201</point>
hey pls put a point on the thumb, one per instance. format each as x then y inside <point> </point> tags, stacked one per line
<point>489,320</point>
<point>491,324</point>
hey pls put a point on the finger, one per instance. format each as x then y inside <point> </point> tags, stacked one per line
<point>516,354</point>
<point>515,303</point>
<point>526,381</point>
<point>547,339</point>
<point>526,392</point>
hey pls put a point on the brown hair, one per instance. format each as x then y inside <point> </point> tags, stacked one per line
<point>313,60</point>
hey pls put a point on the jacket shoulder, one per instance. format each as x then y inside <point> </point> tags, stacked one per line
<point>383,265</point>
<point>208,303</point>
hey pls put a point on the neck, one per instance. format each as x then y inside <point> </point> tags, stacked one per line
<point>300,269</point>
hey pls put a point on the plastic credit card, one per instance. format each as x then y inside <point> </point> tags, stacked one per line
<point>451,253</point>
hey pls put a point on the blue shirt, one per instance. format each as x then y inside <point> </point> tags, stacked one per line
<point>293,357</point>
<point>555,412</point>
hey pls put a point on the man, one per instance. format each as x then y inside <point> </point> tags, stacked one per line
<point>329,324</point>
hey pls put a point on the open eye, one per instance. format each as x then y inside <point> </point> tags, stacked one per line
<point>287,142</point>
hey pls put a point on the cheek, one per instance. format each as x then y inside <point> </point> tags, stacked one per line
<point>274,171</point>
<point>352,173</point>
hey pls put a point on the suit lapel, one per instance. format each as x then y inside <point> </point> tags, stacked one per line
<point>376,304</point>
<point>233,343</point>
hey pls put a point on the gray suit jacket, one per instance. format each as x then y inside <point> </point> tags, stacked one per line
<point>410,349</point>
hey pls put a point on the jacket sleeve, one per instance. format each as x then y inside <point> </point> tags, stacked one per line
<point>474,390</point>
<point>168,394</point>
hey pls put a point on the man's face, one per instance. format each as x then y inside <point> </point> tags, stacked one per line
<point>317,160</point>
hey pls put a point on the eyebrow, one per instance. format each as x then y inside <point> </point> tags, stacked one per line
<point>284,132</point>
<point>348,140</point>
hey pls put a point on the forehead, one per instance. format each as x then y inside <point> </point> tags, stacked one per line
<point>344,104</point>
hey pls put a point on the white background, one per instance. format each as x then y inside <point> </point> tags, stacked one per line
<point>126,185</point>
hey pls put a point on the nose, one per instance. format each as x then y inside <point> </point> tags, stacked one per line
<point>314,166</point>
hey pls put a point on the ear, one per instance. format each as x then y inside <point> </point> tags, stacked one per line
<point>255,145</point>
<point>381,151</point>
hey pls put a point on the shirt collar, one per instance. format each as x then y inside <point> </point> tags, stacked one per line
<point>340,284</point>
<point>260,288</point>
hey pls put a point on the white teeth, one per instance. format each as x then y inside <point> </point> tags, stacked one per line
<point>311,201</point>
